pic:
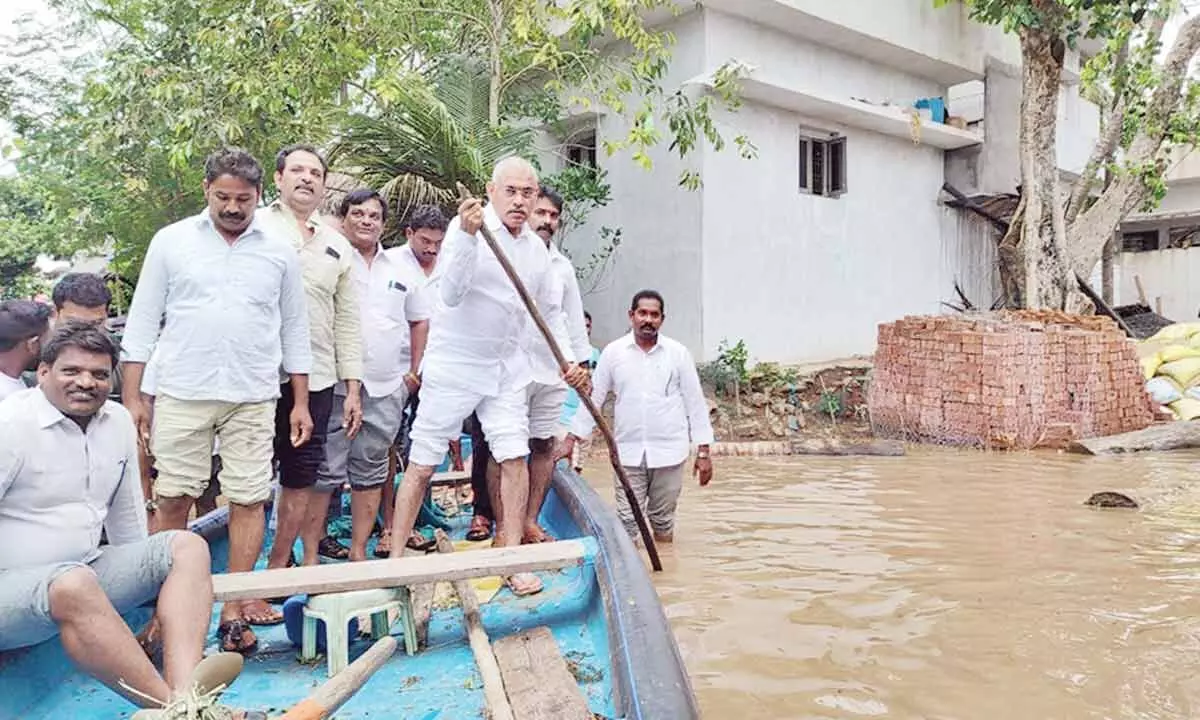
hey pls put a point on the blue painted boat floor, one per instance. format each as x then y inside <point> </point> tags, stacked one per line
<point>440,682</point>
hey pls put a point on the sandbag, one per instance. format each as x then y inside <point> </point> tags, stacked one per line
<point>1179,352</point>
<point>1178,331</point>
<point>1150,366</point>
<point>1184,372</point>
<point>1163,390</point>
<point>1186,408</point>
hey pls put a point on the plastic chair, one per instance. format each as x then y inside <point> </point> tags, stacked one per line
<point>336,610</point>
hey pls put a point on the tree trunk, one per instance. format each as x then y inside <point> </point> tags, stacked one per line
<point>495,62</point>
<point>1043,223</point>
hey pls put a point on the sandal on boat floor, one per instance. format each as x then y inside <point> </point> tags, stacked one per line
<point>528,587</point>
<point>330,548</point>
<point>481,529</point>
<point>272,617</point>
<point>383,548</point>
<point>231,632</point>
<point>419,542</point>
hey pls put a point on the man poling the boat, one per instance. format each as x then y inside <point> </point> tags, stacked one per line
<point>547,393</point>
<point>335,331</point>
<point>68,469</point>
<point>232,295</point>
<point>660,411</point>
<point>478,353</point>
<point>397,315</point>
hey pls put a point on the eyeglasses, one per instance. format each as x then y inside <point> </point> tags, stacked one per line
<point>525,192</point>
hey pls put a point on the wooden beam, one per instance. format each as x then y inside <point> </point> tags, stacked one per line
<point>540,685</point>
<point>334,693</point>
<point>493,685</point>
<point>1102,306</point>
<point>974,207</point>
<point>1177,435</point>
<point>370,574</point>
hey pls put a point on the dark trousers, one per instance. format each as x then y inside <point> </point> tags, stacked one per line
<point>481,454</point>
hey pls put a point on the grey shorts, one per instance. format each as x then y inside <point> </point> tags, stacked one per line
<point>364,460</point>
<point>130,576</point>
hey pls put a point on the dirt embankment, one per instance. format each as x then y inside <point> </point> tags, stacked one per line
<point>777,403</point>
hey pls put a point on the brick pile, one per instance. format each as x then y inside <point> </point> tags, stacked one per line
<point>1011,379</point>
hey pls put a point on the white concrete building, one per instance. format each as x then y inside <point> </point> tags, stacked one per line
<point>838,224</point>
<point>1160,250</point>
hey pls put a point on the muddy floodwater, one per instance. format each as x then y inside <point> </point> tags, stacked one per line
<point>944,584</point>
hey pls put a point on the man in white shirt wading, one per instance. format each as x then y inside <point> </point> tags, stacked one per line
<point>660,410</point>
<point>68,469</point>
<point>232,296</point>
<point>24,325</point>
<point>397,317</point>
<point>336,334</point>
<point>478,354</point>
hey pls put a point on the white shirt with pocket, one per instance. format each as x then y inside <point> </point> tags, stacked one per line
<point>390,297</point>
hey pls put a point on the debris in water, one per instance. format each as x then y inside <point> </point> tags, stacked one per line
<point>1108,499</point>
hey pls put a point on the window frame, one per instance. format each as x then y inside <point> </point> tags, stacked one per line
<point>828,146</point>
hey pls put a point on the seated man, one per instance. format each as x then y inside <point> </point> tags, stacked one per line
<point>68,468</point>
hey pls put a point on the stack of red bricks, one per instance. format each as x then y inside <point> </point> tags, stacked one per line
<point>1012,379</point>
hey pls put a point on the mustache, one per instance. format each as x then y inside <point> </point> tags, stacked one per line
<point>233,216</point>
<point>547,228</point>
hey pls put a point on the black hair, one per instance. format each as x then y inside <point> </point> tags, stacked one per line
<point>545,191</point>
<point>21,320</point>
<point>358,197</point>
<point>429,217</point>
<point>83,336</point>
<point>83,289</point>
<point>648,295</point>
<point>235,162</point>
<point>588,316</point>
<point>282,156</point>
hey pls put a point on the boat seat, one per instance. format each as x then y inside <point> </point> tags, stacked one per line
<point>336,610</point>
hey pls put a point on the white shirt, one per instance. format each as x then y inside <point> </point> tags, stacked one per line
<point>60,485</point>
<point>479,337</point>
<point>660,405</point>
<point>390,298</point>
<point>10,385</point>
<point>563,299</point>
<point>234,313</point>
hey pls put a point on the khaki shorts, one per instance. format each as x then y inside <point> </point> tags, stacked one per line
<point>182,437</point>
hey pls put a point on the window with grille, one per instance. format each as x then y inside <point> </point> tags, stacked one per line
<point>823,165</point>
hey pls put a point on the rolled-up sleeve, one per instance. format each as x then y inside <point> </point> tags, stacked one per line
<point>347,323</point>
<point>460,261</point>
<point>293,313</point>
<point>143,323</point>
<point>581,346</point>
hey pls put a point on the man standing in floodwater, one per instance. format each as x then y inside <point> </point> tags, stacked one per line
<point>660,412</point>
<point>233,298</point>
<point>478,354</point>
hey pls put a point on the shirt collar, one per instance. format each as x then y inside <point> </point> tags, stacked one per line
<point>493,222</point>
<point>48,415</point>
<point>204,220</point>
<point>312,223</point>
<point>630,342</point>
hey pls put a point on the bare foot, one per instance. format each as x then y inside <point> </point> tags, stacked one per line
<point>523,584</point>
<point>260,612</point>
<point>535,534</point>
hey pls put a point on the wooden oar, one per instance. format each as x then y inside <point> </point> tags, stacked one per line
<point>585,398</point>
<point>493,685</point>
<point>334,693</point>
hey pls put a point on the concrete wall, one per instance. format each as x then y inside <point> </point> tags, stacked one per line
<point>1173,275</point>
<point>660,222</point>
<point>804,278</point>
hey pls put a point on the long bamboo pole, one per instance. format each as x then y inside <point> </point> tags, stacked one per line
<point>585,398</point>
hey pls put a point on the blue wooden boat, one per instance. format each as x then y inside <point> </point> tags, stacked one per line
<point>604,615</point>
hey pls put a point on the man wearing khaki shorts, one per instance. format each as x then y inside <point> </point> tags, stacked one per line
<point>233,299</point>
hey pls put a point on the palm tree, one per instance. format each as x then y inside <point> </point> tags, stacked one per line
<point>429,134</point>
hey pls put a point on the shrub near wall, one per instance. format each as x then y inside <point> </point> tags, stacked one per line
<point>1013,379</point>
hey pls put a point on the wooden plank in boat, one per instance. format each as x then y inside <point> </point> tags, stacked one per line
<point>452,477</point>
<point>369,574</point>
<point>422,603</point>
<point>539,684</point>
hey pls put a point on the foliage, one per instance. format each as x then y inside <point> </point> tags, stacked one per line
<point>1149,105</point>
<point>152,86</point>
<point>585,189</point>
<point>766,376</point>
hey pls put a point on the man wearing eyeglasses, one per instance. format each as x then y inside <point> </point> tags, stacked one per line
<point>478,355</point>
